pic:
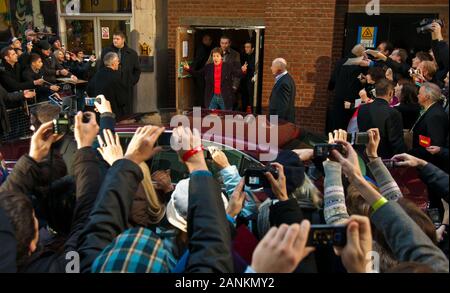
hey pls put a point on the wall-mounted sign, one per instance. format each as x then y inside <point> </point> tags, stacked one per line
<point>73,7</point>
<point>145,49</point>
<point>367,36</point>
<point>105,33</point>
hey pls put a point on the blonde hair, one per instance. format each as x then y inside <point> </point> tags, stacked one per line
<point>156,209</point>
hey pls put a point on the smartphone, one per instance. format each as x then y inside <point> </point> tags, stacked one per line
<point>327,236</point>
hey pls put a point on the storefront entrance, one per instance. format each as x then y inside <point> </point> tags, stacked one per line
<point>91,27</point>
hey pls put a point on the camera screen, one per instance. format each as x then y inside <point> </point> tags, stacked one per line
<point>254,180</point>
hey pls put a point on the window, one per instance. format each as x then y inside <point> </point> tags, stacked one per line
<point>97,6</point>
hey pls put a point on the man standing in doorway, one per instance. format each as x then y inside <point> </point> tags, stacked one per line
<point>201,57</point>
<point>282,100</point>
<point>248,84</point>
<point>230,56</point>
<point>130,70</point>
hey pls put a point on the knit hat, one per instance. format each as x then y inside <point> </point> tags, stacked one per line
<point>178,207</point>
<point>294,170</point>
<point>44,45</point>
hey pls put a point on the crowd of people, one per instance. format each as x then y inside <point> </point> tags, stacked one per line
<point>39,68</point>
<point>104,204</point>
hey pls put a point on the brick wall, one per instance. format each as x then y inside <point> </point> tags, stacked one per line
<point>308,34</point>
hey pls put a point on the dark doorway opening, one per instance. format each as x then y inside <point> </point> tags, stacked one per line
<point>240,36</point>
<point>400,29</point>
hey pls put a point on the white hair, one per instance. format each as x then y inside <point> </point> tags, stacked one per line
<point>358,50</point>
<point>110,58</point>
<point>280,63</point>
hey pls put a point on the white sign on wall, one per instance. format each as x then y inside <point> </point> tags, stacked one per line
<point>73,7</point>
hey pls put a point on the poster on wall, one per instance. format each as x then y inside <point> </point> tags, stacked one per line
<point>105,33</point>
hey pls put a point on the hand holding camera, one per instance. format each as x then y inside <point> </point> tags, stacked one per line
<point>102,105</point>
<point>282,249</point>
<point>86,129</point>
<point>408,161</point>
<point>237,200</point>
<point>348,159</point>
<point>359,245</point>
<point>42,141</point>
<point>278,185</point>
<point>374,143</point>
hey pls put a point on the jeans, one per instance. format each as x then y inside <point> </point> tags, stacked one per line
<point>217,103</point>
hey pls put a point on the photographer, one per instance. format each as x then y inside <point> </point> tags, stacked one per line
<point>407,241</point>
<point>440,50</point>
<point>32,257</point>
<point>381,116</point>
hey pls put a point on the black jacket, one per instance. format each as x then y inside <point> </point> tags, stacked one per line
<point>9,246</point>
<point>7,100</point>
<point>110,216</point>
<point>282,99</point>
<point>43,91</point>
<point>11,78</point>
<point>130,71</point>
<point>441,53</point>
<point>87,173</point>
<point>434,125</point>
<point>208,228</point>
<point>410,114</point>
<point>400,70</point>
<point>436,180</point>
<point>390,123</point>
<point>109,83</point>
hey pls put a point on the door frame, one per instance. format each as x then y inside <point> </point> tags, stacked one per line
<point>259,57</point>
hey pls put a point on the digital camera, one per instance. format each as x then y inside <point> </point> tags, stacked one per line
<point>255,178</point>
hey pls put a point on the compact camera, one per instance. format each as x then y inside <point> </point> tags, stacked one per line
<point>327,236</point>
<point>255,178</point>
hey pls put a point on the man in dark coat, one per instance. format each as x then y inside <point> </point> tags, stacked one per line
<point>282,99</point>
<point>219,78</point>
<point>130,70</point>
<point>346,85</point>
<point>431,129</point>
<point>388,120</point>
<point>108,82</point>
<point>11,76</point>
<point>201,57</point>
<point>248,84</point>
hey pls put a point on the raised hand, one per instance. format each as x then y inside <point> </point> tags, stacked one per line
<point>282,249</point>
<point>278,185</point>
<point>42,141</point>
<point>237,200</point>
<point>359,245</point>
<point>110,149</point>
<point>85,133</point>
<point>142,146</point>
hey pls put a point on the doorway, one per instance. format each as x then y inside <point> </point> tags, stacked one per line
<point>188,40</point>
<point>92,33</point>
<point>398,28</point>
